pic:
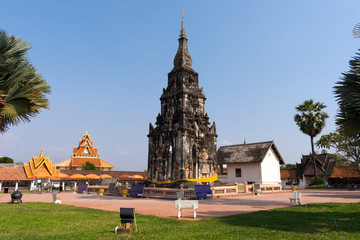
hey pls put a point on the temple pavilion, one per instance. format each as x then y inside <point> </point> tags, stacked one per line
<point>85,152</point>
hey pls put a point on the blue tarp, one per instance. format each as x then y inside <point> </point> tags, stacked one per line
<point>202,191</point>
<point>136,190</point>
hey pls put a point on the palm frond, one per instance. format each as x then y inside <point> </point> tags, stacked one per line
<point>22,89</point>
<point>356,31</point>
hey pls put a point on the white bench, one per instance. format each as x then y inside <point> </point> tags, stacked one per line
<point>296,199</point>
<point>190,204</point>
<point>56,199</point>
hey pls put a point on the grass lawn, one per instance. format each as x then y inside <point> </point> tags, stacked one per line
<point>50,221</point>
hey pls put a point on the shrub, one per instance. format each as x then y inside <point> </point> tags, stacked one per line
<point>320,181</point>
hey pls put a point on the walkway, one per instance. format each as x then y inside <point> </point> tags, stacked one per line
<point>208,208</point>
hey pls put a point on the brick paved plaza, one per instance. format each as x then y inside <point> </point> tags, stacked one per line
<point>208,208</point>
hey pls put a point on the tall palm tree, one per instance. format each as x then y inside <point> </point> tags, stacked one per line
<point>22,89</point>
<point>311,120</point>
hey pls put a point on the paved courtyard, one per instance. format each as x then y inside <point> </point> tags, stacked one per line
<point>208,208</point>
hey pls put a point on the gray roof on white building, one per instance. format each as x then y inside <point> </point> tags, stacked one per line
<point>246,153</point>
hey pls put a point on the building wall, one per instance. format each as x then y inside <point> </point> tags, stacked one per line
<point>304,182</point>
<point>250,172</point>
<point>265,172</point>
<point>270,169</point>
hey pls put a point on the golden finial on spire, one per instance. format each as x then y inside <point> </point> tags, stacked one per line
<point>244,140</point>
<point>86,132</point>
<point>42,152</point>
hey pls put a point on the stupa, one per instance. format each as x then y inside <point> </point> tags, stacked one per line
<point>183,144</point>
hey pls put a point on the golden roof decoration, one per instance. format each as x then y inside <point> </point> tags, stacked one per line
<point>39,166</point>
<point>85,152</point>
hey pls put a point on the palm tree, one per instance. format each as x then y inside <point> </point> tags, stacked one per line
<point>22,89</point>
<point>311,120</point>
<point>347,94</point>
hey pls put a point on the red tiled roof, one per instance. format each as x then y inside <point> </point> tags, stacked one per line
<point>345,172</point>
<point>288,173</point>
<point>64,163</point>
<point>105,164</point>
<point>78,161</point>
<point>13,174</point>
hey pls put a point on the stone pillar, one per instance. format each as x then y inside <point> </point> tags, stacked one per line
<point>63,185</point>
<point>1,184</point>
<point>246,187</point>
<point>75,185</point>
<point>16,185</point>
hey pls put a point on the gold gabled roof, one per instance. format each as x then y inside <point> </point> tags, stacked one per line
<point>39,166</point>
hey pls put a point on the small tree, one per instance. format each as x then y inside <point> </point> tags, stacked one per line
<point>6,160</point>
<point>347,147</point>
<point>311,120</point>
<point>89,166</point>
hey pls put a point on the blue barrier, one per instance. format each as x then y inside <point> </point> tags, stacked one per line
<point>136,190</point>
<point>202,191</point>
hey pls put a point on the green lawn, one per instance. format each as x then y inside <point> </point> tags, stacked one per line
<point>50,221</point>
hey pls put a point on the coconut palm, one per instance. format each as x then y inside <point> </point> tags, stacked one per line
<point>22,89</point>
<point>347,94</point>
<point>311,120</point>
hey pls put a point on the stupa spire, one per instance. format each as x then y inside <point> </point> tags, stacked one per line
<point>182,58</point>
<point>182,30</point>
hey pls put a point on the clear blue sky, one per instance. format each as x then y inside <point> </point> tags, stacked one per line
<point>107,63</point>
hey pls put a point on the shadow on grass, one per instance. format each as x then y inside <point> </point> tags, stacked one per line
<point>310,218</point>
<point>334,195</point>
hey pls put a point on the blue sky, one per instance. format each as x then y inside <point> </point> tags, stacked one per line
<point>107,63</point>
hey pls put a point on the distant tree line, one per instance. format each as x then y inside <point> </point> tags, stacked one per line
<point>6,160</point>
<point>288,166</point>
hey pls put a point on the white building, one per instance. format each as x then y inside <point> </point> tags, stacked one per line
<point>252,163</point>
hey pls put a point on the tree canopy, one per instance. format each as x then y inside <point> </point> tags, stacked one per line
<point>6,160</point>
<point>288,166</point>
<point>311,119</point>
<point>22,88</point>
<point>89,166</point>
<point>346,147</point>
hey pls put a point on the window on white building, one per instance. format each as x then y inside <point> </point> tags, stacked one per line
<point>224,169</point>
<point>238,172</point>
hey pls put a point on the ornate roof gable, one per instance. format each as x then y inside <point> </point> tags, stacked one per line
<point>39,166</point>
<point>85,146</point>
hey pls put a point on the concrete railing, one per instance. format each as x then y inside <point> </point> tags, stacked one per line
<point>189,193</point>
<point>271,188</point>
<point>167,193</point>
<point>224,190</point>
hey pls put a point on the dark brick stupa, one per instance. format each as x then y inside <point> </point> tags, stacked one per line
<point>183,144</point>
